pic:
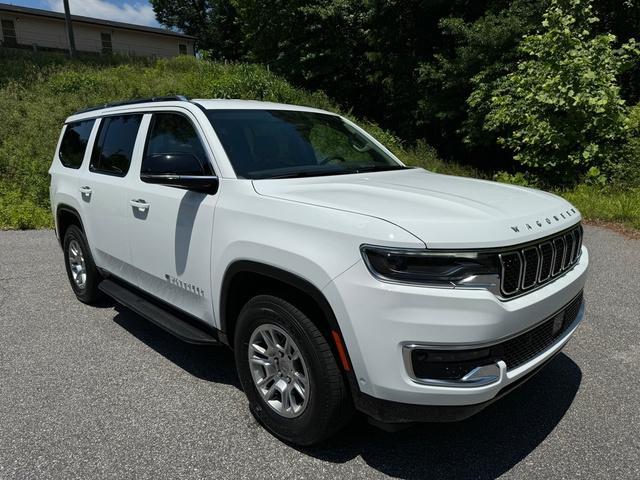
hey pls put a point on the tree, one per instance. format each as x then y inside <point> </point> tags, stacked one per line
<point>560,111</point>
<point>315,43</point>
<point>212,22</point>
<point>484,48</point>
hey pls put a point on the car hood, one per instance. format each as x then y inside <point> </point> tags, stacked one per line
<point>441,210</point>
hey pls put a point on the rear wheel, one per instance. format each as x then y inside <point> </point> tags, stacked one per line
<point>82,272</point>
<point>288,372</point>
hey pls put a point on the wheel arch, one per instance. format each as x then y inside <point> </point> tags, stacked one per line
<point>273,280</point>
<point>66,215</point>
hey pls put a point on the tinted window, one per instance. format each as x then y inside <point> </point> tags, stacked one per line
<point>280,143</point>
<point>74,143</point>
<point>173,146</point>
<point>116,139</point>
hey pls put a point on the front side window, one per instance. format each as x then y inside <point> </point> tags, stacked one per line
<point>74,143</point>
<point>182,49</point>
<point>114,147</point>
<point>173,147</point>
<point>282,144</point>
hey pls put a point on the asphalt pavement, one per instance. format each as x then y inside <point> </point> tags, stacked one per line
<point>98,392</point>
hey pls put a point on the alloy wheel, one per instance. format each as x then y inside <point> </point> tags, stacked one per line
<point>279,370</point>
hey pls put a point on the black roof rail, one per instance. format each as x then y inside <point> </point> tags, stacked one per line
<point>167,98</point>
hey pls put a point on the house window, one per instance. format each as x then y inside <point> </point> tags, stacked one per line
<point>9,33</point>
<point>107,47</point>
<point>182,49</point>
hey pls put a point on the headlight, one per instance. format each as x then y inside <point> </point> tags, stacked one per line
<point>434,268</point>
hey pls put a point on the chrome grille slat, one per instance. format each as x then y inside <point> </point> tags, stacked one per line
<point>546,263</point>
<point>536,264</point>
<point>558,261</point>
<point>511,272</point>
<point>568,257</point>
<point>531,257</point>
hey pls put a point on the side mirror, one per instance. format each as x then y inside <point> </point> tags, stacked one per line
<point>187,168</point>
<point>196,183</point>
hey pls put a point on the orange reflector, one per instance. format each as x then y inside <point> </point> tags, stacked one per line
<point>342,352</point>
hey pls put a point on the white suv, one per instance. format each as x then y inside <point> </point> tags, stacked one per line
<point>341,278</point>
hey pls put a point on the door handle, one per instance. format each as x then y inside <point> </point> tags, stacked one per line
<point>85,190</point>
<point>140,204</point>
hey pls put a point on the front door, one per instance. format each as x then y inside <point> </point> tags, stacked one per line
<point>170,229</point>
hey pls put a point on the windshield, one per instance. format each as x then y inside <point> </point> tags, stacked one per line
<point>286,144</point>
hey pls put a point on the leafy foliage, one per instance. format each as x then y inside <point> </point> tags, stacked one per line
<point>560,111</point>
<point>479,52</point>
<point>212,22</point>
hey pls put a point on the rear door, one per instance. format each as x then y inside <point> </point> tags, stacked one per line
<point>102,190</point>
<point>169,228</point>
<point>65,169</point>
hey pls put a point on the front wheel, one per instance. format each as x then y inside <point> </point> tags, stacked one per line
<point>288,372</point>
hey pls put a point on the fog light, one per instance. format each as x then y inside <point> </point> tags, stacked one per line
<point>448,364</point>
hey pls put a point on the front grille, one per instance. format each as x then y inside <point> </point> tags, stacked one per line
<point>538,263</point>
<point>454,364</point>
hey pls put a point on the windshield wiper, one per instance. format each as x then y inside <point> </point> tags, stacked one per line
<point>337,171</point>
<point>305,173</point>
<point>376,168</point>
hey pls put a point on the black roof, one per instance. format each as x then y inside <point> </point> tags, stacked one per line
<point>4,7</point>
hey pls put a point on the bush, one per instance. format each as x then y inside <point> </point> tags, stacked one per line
<point>425,156</point>
<point>630,169</point>
<point>560,112</point>
<point>518,178</point>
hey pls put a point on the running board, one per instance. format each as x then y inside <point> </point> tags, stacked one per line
<point>172,323</point>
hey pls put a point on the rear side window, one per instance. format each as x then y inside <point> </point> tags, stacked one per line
<point>74,143</point>
<point>173,147</point>
<point>114,147</point>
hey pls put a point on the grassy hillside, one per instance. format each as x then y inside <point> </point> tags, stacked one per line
<point>37,92</point>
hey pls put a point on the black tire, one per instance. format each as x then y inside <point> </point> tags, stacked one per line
<point>88,292</point>
<point>329,406</point>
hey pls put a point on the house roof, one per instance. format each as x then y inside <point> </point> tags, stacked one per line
<point>15,9</point>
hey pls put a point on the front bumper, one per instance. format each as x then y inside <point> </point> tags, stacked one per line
<point>388,412</point>
<point>378,320</point>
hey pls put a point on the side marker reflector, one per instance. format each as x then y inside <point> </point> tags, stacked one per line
<point>342,352</point>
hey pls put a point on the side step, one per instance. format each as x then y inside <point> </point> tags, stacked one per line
<point>166,320</point>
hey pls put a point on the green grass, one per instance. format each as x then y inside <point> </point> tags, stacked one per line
<point>617,206</point>
<point>38,91</point>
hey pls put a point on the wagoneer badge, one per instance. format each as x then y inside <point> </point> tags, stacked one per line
<point>545,221</point>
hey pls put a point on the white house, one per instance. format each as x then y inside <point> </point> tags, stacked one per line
<point>24,27</point>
